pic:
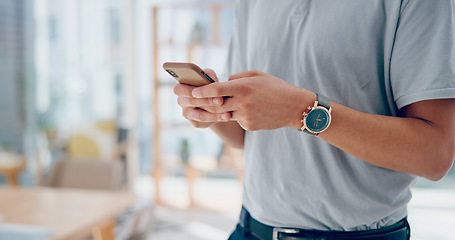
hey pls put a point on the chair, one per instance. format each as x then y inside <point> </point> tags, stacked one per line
<point>103,175</point>
<point>83,146</point>
<point>87,174</point>
<point>94,141</point>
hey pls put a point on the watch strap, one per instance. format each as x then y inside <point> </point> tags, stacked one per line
<point>323,100</point>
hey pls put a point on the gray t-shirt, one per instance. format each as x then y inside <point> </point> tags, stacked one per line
<point>375,56</point>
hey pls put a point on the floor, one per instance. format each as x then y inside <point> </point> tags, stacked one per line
<point>213,217</point>
<point>431,212</point>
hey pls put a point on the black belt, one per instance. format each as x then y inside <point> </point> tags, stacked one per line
<point>397,231</point>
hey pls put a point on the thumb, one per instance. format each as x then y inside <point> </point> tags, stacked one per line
<point>247,74</point>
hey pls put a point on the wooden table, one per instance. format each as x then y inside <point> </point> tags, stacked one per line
<point>69,213</point>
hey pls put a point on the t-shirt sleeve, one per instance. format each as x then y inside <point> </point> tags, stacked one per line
<point>423,57</point>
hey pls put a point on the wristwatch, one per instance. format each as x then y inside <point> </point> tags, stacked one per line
<point>316,119</point>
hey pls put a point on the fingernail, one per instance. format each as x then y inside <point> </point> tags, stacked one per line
<point>224,117</point>
<point>196,93</point>
<point>217,101</point>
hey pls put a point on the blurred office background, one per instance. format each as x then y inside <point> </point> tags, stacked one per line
<point>81,83</point>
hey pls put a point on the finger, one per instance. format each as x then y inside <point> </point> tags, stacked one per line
<point>234,116</point>
<point>228,105</point>
<point>246,74</point>
<point>219,89</point>
<point>183,90</point>
<point>200,115</point>
<point>211,74</point>
<point>199,102</point>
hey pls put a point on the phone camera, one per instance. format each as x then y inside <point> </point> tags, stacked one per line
<point>172,73</point>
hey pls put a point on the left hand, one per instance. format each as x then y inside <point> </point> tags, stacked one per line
<point>259,101</point>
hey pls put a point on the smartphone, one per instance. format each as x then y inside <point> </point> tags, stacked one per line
<point>187,73</point>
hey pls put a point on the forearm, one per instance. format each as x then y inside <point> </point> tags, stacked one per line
<point>404,144</point>
<point>422,142</point>
<point>230,132</point>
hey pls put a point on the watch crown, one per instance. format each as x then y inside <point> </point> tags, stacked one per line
<point>308,107</point>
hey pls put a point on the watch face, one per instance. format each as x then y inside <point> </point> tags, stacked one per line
<point>317,120</point>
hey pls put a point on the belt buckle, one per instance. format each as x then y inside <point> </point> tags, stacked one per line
<point>277,231</point>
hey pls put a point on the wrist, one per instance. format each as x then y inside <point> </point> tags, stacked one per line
<point>317,118</point>
<point>303,100</point>
<point>218,125</point>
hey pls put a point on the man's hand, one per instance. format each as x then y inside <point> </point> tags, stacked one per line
<point>257,101</point>
<point>193,108</point>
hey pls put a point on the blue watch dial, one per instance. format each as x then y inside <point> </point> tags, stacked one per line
<point>317,120</point>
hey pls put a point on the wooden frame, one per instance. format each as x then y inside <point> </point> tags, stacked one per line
<point>215,9</point>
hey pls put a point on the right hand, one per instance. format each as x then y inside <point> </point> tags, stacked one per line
<point>193,108</point>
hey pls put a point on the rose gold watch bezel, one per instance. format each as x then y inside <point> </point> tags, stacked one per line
<point>305,114</point>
